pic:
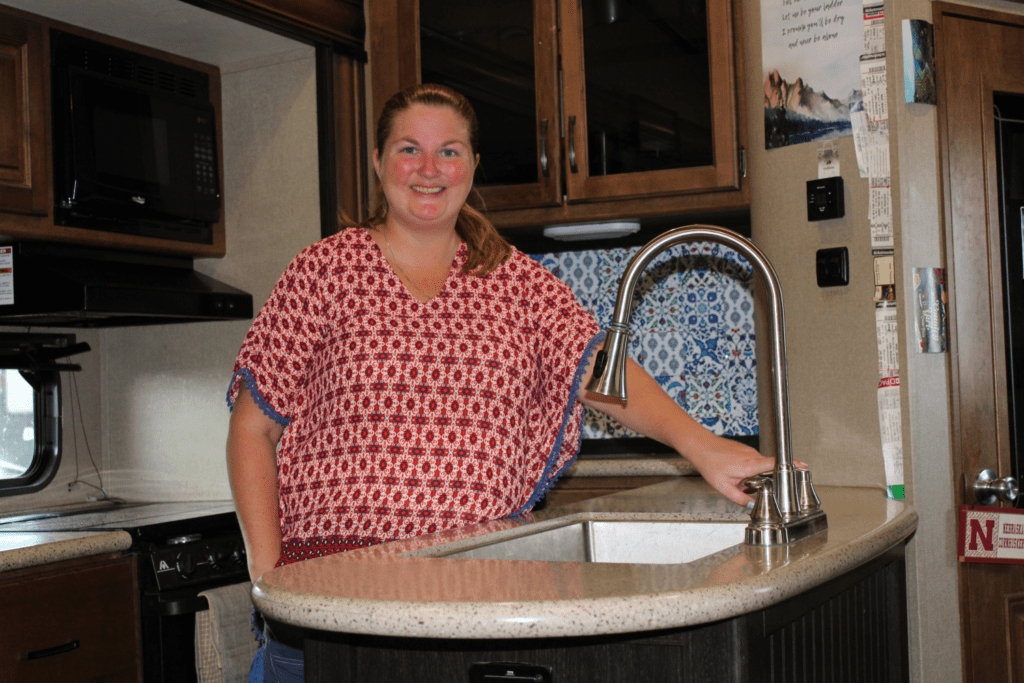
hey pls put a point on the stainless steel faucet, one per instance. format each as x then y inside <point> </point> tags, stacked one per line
<point>786,507</point>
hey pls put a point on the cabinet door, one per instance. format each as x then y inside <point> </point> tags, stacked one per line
<point>502,56</point>
<point>23,188</point>
<point>73,621</point>
<point>649,98</point>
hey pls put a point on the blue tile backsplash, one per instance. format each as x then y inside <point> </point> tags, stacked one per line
<point>692,328</point>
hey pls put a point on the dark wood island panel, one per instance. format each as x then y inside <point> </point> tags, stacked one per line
<point>853,628</point>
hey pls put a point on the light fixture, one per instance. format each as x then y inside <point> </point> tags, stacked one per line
<point>591,231</point>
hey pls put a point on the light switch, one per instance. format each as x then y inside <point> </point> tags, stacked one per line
<point>833,267</point>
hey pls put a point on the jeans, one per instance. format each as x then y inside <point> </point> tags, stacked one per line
<point>276,662</point>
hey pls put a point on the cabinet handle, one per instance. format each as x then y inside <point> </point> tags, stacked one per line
<point>50,651</point>
<point>544,147</point>
<point>572,145</point>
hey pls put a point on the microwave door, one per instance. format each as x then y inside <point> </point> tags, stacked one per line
<point>124,150</point>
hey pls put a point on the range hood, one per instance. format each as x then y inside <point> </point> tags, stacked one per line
<point>57,285</point>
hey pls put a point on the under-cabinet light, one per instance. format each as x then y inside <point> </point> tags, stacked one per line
<point>591,231</point>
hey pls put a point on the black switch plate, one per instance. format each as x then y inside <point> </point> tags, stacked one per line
<point>825,199</point>
<point>833,267</point>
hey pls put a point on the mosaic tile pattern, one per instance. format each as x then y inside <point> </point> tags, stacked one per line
<point>692,328</point>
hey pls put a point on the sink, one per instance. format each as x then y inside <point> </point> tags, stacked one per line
<point>621,541</point>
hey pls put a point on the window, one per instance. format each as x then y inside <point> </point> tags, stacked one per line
<point>30,408</point>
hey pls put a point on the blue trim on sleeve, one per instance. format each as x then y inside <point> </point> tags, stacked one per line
<point>546,479</point>
<point>245,374</point>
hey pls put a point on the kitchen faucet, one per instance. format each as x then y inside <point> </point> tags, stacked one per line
<point>786,508</point>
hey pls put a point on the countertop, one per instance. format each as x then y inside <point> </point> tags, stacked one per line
<point>636,466</point>
<point>37,537</point>
<point>383,590</point>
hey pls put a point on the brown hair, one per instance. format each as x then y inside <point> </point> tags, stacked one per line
<point>486,248</point>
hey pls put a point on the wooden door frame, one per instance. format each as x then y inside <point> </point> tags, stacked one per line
<point>979,430</point>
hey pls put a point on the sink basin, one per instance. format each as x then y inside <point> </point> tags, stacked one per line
<point>622,541</point>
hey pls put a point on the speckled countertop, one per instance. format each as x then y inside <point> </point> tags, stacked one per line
<point>638,466</point>
<point>39,537</point>
<point>387,590</point>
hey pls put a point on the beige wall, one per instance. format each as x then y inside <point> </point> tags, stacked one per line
<point>831,343</point>
<point>152,398</point>
<point>165,414</point>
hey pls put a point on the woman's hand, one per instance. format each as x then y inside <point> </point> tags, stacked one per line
<point>725,463</point>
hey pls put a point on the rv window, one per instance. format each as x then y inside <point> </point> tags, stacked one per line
<point>30,408</point>
<point>17,425</point>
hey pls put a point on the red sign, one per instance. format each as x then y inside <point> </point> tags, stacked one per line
<point>990,535</point>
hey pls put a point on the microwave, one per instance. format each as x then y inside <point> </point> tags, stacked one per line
<point>134,143</point>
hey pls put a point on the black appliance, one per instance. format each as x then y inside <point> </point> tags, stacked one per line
<point>57,285</point>
<point>134,143</point>
<point>177,560</point>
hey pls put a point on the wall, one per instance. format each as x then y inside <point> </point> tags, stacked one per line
<point>165,417</point>
<point>830,333</point>
<point>153,397</point>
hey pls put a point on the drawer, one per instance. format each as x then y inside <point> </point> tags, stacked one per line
<point>75,621</point>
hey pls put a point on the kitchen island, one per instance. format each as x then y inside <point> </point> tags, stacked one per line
<point>832,602</point>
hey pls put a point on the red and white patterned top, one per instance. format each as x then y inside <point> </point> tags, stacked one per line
<point>402,417</point>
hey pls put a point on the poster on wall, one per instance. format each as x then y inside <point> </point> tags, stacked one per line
<point>810,51</point>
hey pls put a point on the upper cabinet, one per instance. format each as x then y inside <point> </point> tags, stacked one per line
<point>589,109</point>
<point>23,168</point>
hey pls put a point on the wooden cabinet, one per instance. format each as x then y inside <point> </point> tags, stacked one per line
<point>26,146</point>
<point>588,111</point>
<point>71,621</point>
<point>23,167</point>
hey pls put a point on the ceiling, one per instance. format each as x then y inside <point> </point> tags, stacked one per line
<point>168,25</point>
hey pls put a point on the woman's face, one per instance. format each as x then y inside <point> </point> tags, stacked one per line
<point>426,166</point>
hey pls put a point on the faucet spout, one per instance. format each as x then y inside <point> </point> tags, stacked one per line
<point>612,380</point>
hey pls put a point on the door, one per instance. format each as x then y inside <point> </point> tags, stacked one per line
<point>981,86</point>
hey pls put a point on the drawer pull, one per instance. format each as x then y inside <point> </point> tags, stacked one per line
<point>50,651</point>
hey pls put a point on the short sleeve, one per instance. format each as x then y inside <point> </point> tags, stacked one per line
<point>564,337</point>
<point>274,360</point>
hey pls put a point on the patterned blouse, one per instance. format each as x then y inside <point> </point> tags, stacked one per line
<point>405,418</point>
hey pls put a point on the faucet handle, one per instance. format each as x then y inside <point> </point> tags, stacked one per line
<point>766,508</point>
<point>807,499</point>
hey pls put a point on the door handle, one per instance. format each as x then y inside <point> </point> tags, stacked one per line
<point>988,487</point>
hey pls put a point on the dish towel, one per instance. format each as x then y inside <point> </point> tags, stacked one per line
<point>225,645</point>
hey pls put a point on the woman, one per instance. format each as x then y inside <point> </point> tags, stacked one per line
<point>416,373</point>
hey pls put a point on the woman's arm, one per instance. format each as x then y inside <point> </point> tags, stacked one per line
<point>722,462</point>
<point>252,470</point>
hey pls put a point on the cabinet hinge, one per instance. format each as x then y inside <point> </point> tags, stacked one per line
<point>743,162</point>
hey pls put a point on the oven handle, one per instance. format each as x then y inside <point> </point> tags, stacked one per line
<point>155,607</point>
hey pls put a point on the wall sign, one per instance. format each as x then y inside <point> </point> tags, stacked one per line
<point>989,534</point>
